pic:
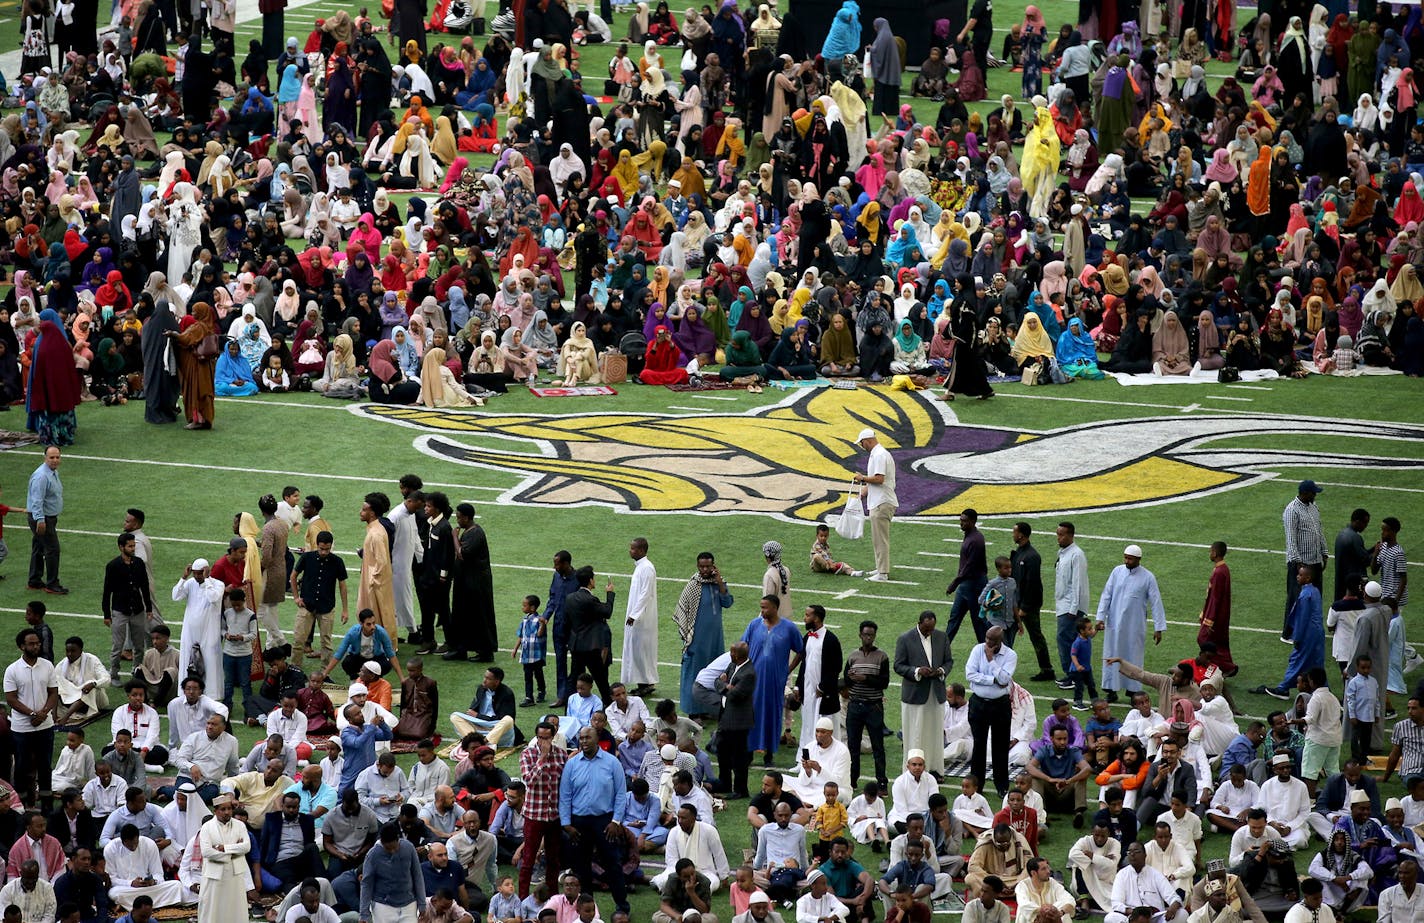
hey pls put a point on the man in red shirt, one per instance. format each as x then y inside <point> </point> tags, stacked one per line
<point>231,568</point>
<point>541,766</point>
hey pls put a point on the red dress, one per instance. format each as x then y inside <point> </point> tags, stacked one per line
<point>660,363</point>
<point>1216,618</point>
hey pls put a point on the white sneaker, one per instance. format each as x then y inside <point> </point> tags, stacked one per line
<point>879,578</point>
<point>857,573</point>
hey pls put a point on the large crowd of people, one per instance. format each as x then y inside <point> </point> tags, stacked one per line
<point>739,198</point>
<point>614,788</point>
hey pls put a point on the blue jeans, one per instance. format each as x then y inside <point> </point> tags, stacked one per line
<point>1067,633</point>
<point>237,673</point>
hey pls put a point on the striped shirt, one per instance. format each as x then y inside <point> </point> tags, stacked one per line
<point>1409,738</point>
<point>1304,540</point>
<point>1391,564</point>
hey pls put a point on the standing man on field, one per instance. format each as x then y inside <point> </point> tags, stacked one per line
<point>878,490</point>
<point>1305,544</point>
<point>45,501</point>
<point>640,626</point>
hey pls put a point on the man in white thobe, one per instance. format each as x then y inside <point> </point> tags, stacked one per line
<point>226,877</point>
<point>1128,598</point>
<point>958,738</point>
<point>1040,890</point>
<point>640,624</point>
<point>829,762</point>
<point>696,839</point>
<point>83,684</point>
<point>135,867</point>
<point>1140,885</point>
<point>1286,801</point>
<point>202,598</point>
<point>181,825</point>
<point>1095,859</point>
<point>819,903</point>
<point>1404,902</point>
<point>406,549</point>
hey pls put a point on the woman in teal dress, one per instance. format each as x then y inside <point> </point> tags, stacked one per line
<point>233,375</point>
<point>1077,356</point>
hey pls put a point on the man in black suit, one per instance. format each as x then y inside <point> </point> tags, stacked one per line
<point>72,824</point>
<point>820,698</point>
<point>1028,574</point>
<point>590,638</point>
<point>922,660</point>
<point>432,584</point>
<point>737,687</point>
<point>288,842</point>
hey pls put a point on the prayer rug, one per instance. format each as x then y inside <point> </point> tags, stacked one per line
<point>708,384</point>
<point>580,391</point>
<point>11,439</point>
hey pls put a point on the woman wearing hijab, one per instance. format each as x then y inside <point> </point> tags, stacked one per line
<point>232,376</point>
<point>885,70</point>
<point>160,387</point>
<point>1171,353</point>
<point>53,387</point>
<point>438,387</point>
<point>1076,353</point>
<point>1033,349</point>
<point>195,373</point>
<point>578,358</point>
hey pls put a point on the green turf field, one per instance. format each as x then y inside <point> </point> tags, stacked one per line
<point>726,471</point>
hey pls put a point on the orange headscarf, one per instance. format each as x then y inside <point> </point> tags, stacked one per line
<point>1258,185</point>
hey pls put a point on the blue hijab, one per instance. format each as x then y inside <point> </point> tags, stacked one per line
<point>901,244</point>
<point>232,368</point>
<point>459,310</point>
<point>1074,344</point>
<point>1044,310</point>
<point>938,300</point>
<point>58,264</point>
<point>290,86</point>
<point>405,353</point>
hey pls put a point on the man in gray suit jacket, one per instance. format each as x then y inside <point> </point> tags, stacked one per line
<point>922,659</point>
<point>737,686</point>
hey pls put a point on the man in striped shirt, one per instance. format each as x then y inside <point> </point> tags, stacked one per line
<point>1305,544</point>
<point>1387,560</point>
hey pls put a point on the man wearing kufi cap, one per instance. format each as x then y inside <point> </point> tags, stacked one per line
<point>1128,598</point>
<point>1372,640</point>
<point>758,910</point>
<point>226,875</point>
<point>819,903</point>
<point>826,760</point>
<point>202,598</point>
<point>1287,802</point>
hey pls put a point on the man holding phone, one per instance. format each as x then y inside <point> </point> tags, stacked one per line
<point>922,661</point>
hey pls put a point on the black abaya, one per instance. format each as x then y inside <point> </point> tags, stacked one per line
<point>473,603</point>
<point>160,387</point>
<point>198,83</point>
<point>970,376</point>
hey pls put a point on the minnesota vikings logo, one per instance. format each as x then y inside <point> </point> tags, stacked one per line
<point>792,459</point>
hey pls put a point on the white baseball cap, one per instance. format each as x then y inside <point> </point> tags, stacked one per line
<point>865,434</point>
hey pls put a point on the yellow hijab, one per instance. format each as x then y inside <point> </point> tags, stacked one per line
<point>651,160</point>
<point>626,173</point>
<point>247,529</point>
<point>443,145</point>
<point>1032,341</point>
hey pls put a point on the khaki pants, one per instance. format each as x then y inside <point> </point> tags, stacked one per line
<point>304,632</point>
<point>494,733</point>
<point>880,536</point>
<point>267,615</point>
<point>1053,798</point>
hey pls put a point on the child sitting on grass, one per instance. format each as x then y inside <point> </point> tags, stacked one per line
<point>821,560</point>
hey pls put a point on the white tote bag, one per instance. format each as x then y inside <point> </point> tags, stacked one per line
<point>852,521</point>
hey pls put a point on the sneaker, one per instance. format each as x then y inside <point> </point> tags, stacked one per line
<point>1285,640</point>
<point>527,703</point>
<point>857,573</point>
<point>1078,820</point>
<point>1079,706</point>
<point>879,578</point>
<point>57,590</point>
<point>1063,683</point>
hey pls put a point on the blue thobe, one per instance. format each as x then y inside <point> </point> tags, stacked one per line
<point>1308,632</point>
<point>706,644</point>
<point>770,650</point>
<point>1129,596</point>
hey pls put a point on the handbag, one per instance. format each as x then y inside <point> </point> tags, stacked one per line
<point>852,521</point>
<point>613,366</point>
<point>1228,374</point>
<point>865,70</point>
<point>208,348</point>
<point>1030,374</point>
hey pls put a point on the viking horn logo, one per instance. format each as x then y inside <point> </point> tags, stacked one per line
<point>792,459</point>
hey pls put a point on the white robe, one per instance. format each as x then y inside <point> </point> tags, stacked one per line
<point>958,736</point>
<point>811,703</point>
<point>1218,725</point>
<point>202,627</point>
<point>835,767</point>
<point>404,552</point>
<point>640,640</point>
<point>71,677</point>
<point>1098,866</point>
<point>1129,596</point>
<point>74,769</point>
<point>1287,803</point>
<point>226,876</point>
<point>124,866</point>
<point>866,818</point>
<point>185,225</point>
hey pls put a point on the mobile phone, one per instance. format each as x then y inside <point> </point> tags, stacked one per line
<point>805,753</point>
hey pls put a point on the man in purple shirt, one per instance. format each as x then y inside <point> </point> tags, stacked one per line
<point>970,580</point>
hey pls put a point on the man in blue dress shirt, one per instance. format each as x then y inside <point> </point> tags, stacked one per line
<point>990,672</point>
<point>591,806</point>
